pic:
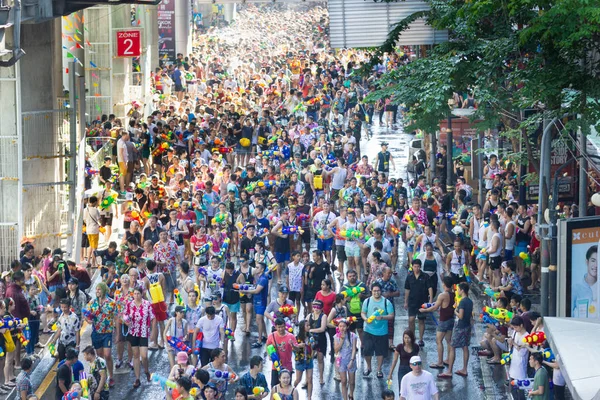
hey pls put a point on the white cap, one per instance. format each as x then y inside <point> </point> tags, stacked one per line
<point>415,359</point>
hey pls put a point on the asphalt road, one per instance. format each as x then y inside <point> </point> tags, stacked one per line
<point>483,381</point>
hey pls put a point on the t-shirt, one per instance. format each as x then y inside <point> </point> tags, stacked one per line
<point>63,374</point>
<point>541,379</point>
<point>377,327</point>
<point>261,299</point>
<point>122,155</point>
<point>211,331</point>
<point>467,305</point>
<point>355,303</point>
<point>295,276</point>
<point>418,387</point>
<point>283,344</point>
<point>320,272</point>
<point>419,289</point>
<point>518,362</point>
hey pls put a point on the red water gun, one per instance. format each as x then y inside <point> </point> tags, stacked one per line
<point>178,344</point>
<point>288,310</point>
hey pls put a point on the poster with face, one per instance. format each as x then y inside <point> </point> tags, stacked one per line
<point>585,290</point>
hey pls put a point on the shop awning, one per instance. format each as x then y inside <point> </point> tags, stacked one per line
<point>576,341</point>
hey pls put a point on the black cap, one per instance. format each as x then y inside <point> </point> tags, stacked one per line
<point>74,280</point>
<point>284,289</point>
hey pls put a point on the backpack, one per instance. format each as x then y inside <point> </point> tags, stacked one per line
<point>386,303</point>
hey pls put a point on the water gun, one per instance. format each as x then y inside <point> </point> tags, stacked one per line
<point>229,334</point>
<point>320,233</point>
<point>467,273</point>
<point>223,150</point>
<point>107,202</point>
<point>204,248</point>
<point>51,349</point>
<point>489,292</point>
<point>262,232</point>
<point>302,217</point>
<point>113,284</point>
<point>91,171</point>
<point>499,314</point>
<point>198,344</point>
<point>251,186</point>
<point>291,229</point>
<point>214,278</point>
<point>351,234</point>
<point>22,339</point>
<point>203,272</point>
<point>506,357</point>
<point>376,314</point>
<point>313,101</point>
<point>268,184</point>
<point>349,320</point>
<point>427,305</point>
<point>178,344</point>
<point>258,390</point>
<point>486,319</point>
<point>71,395</point>
<point>548,355</point>
<point>219,218</point>
<point>299,107</point>
<point>26,330</point>
<point>526,258</point>
<point>457,297</point>
<point>237,286</point>
<point>289,327</point>
<point>352,292</point>
<point>224,375</point>
<point>395,231</point>
<point>274,357</point>
<point>535,338</point>
<point>161,149</point>
<point>178,298</point>
<point>224,248</point>
<point>288,310</point>
<point>522,384</point>
<point>162,381</point>
<point>389,194</point>
<point>268,153</point>
<point>83,381</point>
<point>409,221</point>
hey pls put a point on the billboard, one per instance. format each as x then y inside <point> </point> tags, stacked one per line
<point>567,184</point>
<point>166,31</point>
<point>579,256</point>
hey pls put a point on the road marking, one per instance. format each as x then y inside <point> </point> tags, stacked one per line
<point>46,382</point>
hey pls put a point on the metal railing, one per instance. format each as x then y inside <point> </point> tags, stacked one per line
<point>97,159</point>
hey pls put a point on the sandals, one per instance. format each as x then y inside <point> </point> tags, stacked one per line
<point>444,375</point>
<point>137,384</point>
<point>460,373</point>
<point>436,366</point>
<point>379,375</point>
<point>367,373</point>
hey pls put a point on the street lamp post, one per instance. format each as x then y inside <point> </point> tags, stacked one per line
<point>449,151</point>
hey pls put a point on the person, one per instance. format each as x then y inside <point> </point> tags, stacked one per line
<point>356,301</point>
<point>259,300</point>
<point>64,375</point>
<point>294,279</point>
<point>20,308</point>
<point>231,297</point>
<point>154,282</point>
<point>518,350</point>
<point>99,370</point>
<point>558,380</point>
<point>541,387</point>
<point>217,365</point>
<point>167,256</point>
<point>461,334</point>
<point>345,362</point>
<point>181,368</point>
<point>284,344</point>
<point>376,328</point>
<point>513,282</point>
<point>584,298</point>
<point>139,318</point>
<point>304,356</point>
<point>404,352</point>
<point>444,303</point>
<point>283,388</point>
<point>213,328</point>
<point>388,394</point>
<point>24,386</point>
<point>255,378</point>
<point>272,311</point>
<point>418,384</point>
<point>68,325</point>
<point>183,385</point>
<point>417,290</point>
<point>91,217</point>
<point>177,328</point>
<point>318,328</point>
<point>327,297</point>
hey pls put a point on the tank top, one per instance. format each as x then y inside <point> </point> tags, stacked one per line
<point>476,225</point>
<point>430,267</point>
<point>230,296</point>
<point>177,330</point>
<point>177,238</point>
<point>383,161</point>
<point>510,243</point>
<point>522,235</point>
<point>457,262</point>
<point>307,187</point>
<point>447,313</point>
<point>425,240</point>
<point>282,245</point>
<point>316,324</point>
<point>500,246</point>
<point>338,180</point>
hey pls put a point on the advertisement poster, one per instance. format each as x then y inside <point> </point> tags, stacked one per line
<point>583,274</point>
<point>166,31</point>
<point>566,183</point>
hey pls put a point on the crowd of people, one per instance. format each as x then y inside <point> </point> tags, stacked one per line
<point>248,178</point>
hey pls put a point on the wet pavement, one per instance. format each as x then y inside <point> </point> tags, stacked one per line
<point>484,381</point>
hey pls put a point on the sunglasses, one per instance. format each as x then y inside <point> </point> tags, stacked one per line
<point>415,363</point>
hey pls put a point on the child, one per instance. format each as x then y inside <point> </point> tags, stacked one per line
<point>304,356</point>
<point>294,279</point>
<point>388,394</point>
<point>108,256</point>
<point>105,172</point>
<point>34,319</point>
<point>177,327</point>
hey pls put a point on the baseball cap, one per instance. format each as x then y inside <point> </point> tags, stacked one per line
<point>415,359</point>
<point>74,280</point>
<point>284,289</point>
<point>182,357</point>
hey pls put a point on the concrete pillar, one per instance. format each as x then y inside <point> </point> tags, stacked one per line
<point>183,27</point>
<point>121,67</point>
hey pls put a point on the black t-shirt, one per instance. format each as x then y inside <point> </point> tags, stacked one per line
<point>430,216</point>
<point>419,289</point>
<point>105,172</point>
<point>64,373</point>
<point>320,272</point>
<point>247,246</point>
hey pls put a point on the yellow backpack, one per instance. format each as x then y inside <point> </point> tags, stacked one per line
<point>156,293</point>
<point>318,181</point>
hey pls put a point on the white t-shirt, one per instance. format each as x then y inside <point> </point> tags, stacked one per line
<point>418,387</point>
<point>323,219</point>
<point>295,274</point>
<point>122,151</point>
<point>518,362</point>
<point>91,217</point>
<point>210,328</point>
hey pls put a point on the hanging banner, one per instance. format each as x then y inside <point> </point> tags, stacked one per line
<point>166,31</point>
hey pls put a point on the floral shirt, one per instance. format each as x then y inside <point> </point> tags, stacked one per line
<point>141,318</point>
<point>515,282</point>
<point>68,324</point>
<point>122,299</point>
<point>388,286</point>
<point>96,367</point>
<point>103,315</point>
<point>421,216</point>
<point>166,253</point>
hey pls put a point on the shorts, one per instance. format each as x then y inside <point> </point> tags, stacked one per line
<point>414,312</point>
<point>295,296</point>
<point>508,255</point>
<point>340,251</point>
<point>282,257</point>
<point>260,310</point>
<point>390,324</point>
<point>375,345</point>
<point>170,280</point>
<point>303,365</point>
<point>520,247</point>
<point>325,244</point>
<point>93,240</point>
<point>160,311</point>
<point>306,236</point>
<point>495,262</point>
<point>186,245</point>
<point>233,307</point>
<point>123,168</point>
<point>347,367</point>
<point>137,341</point>
<point>353,251</point>
<point>503,346</point>
<point>445,326</point>
<point>410,248</point>
<point>106,220</point>
<point>359,324</point>
<point>101,340</point>
<point>309,296</point>
<point>61,350</point>
<point>245,300</point>
<point>461,337</point>
<point>179,88</point>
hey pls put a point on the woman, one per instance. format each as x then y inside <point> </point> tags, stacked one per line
<point>432,265</point>
<point>9,376</point>
<point>405,351</point>
<point>318,326</point>
<point>216,368</point>
<point>8,384</point>
<point>78,301</point>
<point>284,389</point>
<point>241,394</point>
<point>327,297</point>
<point>245,278</point>
<point>123,296</point>
<point>304,357</point>
<point>345,361</point>
<point>133,231</point>
<point>377,266</point>
<point>182,368</point>
<point>140,319</point>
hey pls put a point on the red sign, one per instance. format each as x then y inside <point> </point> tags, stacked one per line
<point>129,43</point>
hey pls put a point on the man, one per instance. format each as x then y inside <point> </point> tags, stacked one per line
<point>21,310</point>
<point>382,162</point>
<point>417,290</point>
<point>355,303</point>
<point>212,327</point>
<point>167,256</point>
<point>99,371</point>
<point>102,316</point>
<point>461,334</point>
<point>107,213</point>
<point>418,384</point>
<point>444,303</point>
<point>389,290</point>
<point>541,387</point>
<point>152,231</point>
<point>123,159</point>
<point>82,275</point>
<point>255,378</point>
<point>316,271</point>
<point>376,330</point>
<point>24,386</point>
<point>259,300</point>
<point>68,326</point>
<point>284,344</point>
<point>64,375</point>
<point>324,237</point>
<point>493,342</point>
<point>494,251</point>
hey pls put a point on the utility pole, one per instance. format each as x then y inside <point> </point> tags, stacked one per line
<point>449,152</point>
<point>72,154</point>
<point>432,157</point>
<point>582,173</point>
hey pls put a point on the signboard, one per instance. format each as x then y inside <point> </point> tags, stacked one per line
<point>166,31</point>
<point>129,43</point>
<point>579,265</point>
<point>567,187</point>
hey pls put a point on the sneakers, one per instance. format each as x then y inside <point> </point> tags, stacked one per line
<point>421,343</point>
<point>119,364</point>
